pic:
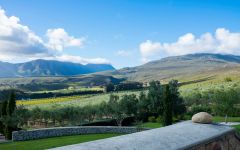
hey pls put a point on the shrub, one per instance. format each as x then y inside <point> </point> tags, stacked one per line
<point>151,119</point>
<point>159,119</point>
<point>228,79</point>
<point>199,108</point>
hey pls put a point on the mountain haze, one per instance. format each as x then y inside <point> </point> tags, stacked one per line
<point>179,66</point>
<point>49,68</point>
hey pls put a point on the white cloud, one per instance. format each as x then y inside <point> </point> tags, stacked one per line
<point>59,39</point>
<point>18,43</point>
<point>18,39</point>
<point>78,59</point>
<point>149,48</point>
<point>223,41</point>
<point>124,53</point>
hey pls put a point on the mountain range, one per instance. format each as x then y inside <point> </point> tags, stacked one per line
<point>53,75</point>
<point>179,67</point>
<point>49,68</point>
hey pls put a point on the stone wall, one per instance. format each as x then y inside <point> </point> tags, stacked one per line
<point>63,131</point>
<point>183,136</point>
<point>229,141</point>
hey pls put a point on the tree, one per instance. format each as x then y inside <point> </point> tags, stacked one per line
<point>3,113</point>
<point>225,101</point>
<point>109,87</point>
<point>155,97</point>
<point>114,109</point>
<point>128,105</point>
<point>11,103</point>
<point>143,106</point>
<point>179,107</point>
<point>9,119</point>
<point>167,107</point>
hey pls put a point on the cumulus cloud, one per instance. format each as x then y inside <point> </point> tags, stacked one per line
<point>78,59</point>
<point>18,43</point>
<point>124,53</point>
<point>18,39</point>
<point>222,41</point>
<point>59,39</point>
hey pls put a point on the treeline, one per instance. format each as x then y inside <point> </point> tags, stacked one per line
<point>57,94</point>
<point>157,101</point>
<point>8,119</point>
<point>124,86</point>
<point>222,101</point>
<point>23,95</point>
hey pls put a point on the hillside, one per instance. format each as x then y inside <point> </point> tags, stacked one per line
<point>49,68</point>
<point>192,68</point>
<point>180,67</point>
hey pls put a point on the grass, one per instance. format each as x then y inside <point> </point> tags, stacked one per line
<point>237,127</point>
<point>222,119</point>
<point>150,125</point>
<point>53,142</point>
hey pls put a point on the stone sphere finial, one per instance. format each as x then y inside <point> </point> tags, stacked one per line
<point>202,117</point>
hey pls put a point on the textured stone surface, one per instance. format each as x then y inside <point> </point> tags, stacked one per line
<point>62,131</point>
<point>202,117</point>
<point>184,135</point>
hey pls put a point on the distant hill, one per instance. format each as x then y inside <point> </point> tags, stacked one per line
<point>49,68</point>
<point>179,67</point>
<point>56,75</point>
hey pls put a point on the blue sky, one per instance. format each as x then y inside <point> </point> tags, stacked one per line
<point>121,32</point>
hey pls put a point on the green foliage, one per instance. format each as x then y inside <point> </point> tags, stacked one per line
<point>109,87</point>
<point>11,103</point>
<point>151,119</point>
<point>167,107</point>
<point>4,108</point>
<point>128,104</point>
<point>155,96</point>
<point>49,143</point>
<point>199,108</point>
<point>159,119</point>
<point>237,127</point>
<point>8,117</point>
<point>128,86</point>
<point>228,79</point>
<point>143,106</point>
<point>226,101</point>
<point>150,125</point>
<point>179,107</point>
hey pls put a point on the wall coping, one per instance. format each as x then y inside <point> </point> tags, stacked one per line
<point>183,135</point>
<point>24,135</point>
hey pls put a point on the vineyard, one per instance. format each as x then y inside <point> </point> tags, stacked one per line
<point>83,100</point>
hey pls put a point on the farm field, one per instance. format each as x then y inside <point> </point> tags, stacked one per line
<point>70,100</point>
<point>53,142</point>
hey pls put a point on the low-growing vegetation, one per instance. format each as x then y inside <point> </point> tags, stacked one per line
<point>53,142</point>
<point>157,105</point>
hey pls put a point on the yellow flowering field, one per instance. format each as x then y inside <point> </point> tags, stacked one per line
<point>48,100</point>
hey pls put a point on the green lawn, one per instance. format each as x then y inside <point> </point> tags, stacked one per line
<point>53,142</point>
<point>237,127</point>
<point>222,119</point>
<point>150,125</point>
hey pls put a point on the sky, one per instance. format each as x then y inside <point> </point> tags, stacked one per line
<point>123,33</point>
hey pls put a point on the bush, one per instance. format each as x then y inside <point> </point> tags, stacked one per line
<point>151,119</point>
<point>228,79</point>
<point>199,108</point>
<point>159,119</point>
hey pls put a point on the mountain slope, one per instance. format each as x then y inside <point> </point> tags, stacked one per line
<point>50,68</point>
<point>179,67</point>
